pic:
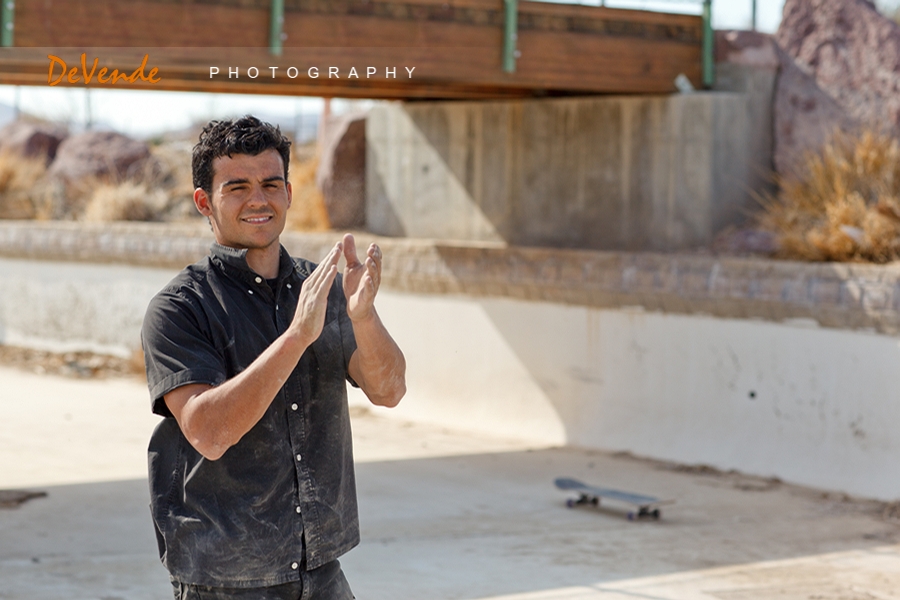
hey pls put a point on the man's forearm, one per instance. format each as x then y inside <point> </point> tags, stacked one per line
<point>217,418</point>
<point>378,365</point>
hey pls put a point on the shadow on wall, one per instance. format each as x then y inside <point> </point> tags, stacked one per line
<point>639,173</point>
<point>808,405</point>
<point>557,352</point>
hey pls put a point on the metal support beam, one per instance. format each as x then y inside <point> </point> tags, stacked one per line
<point>709,42</point>
<point>276,27</point>
<point>753,22</point>
<point>7,21</point>
<point>510,35</point>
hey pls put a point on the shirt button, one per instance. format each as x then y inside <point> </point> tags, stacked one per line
<point>294,407</point>
<point>259,280</point>
<point>294,565</point>
<point>288,286</point>
<point>298,457</point>
<point>251,292</point>
<point>298,510</point>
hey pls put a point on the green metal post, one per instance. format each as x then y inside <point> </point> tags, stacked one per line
<point>753,18</point>
<point>510,35</point>
<point>7,19</point>
<point>276,27</point>
<point>709,61</point>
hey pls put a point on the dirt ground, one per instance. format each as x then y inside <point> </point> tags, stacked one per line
<point>444,514</point>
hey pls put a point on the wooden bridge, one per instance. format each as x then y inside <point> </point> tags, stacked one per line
<point>399,49</point>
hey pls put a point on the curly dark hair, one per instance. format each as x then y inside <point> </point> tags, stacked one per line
<point>247,135</point>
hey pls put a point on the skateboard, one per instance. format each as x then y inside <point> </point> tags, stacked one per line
<point>642,507</point>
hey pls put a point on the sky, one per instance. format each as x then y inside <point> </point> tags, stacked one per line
<point>164,111</point>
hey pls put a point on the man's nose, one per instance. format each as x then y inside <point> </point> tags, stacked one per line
<point>257,197</point>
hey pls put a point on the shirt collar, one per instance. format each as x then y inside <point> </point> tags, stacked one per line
<point>234,260</point>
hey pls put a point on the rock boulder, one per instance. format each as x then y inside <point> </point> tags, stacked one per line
<point>342,170</point>
<point>104,154</point>
<point>840,69</point>
<point>32,140</point>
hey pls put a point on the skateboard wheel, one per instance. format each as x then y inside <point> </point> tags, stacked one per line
<point>595,501</point>
<point>631,516</point>
<point>656,514</point>
<point>570,503</point>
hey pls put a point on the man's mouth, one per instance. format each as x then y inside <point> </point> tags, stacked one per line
<point>258,219</point>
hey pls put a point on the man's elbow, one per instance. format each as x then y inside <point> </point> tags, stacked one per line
<point>211,453</point>
<point>210,447</point>
<point>391,398</point>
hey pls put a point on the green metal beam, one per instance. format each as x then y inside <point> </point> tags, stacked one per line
<point>510,35</point>
<point>709,42</point>
<point>276,27</point>
<point>7,21</point>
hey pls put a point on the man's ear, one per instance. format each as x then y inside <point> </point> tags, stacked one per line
<point>290,193</point>
<point>203,202</point>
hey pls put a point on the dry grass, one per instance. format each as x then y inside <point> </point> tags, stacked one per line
<point>307,212</point>
<point>20,182</point>
<point>126,201</point>
<point>171,172</point>
<point>844,205</point>
<point>161,191</point>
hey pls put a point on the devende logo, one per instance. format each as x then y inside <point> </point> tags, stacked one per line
<point>83,75</point>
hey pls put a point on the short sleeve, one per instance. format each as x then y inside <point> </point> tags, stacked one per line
<point>177,350</point>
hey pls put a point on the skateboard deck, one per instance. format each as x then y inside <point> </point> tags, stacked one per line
<point>641,506</point>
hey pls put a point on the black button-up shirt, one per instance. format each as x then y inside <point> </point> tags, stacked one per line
<point>283,498</point>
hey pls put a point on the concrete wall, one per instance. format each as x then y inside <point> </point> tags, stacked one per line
<point>631,173</point>
<point>76,306</point>
<point>809,405</point>
<point>771,368</point>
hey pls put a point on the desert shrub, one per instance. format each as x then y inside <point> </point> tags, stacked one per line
<point>20,178</point>
<point>843,204</point>
<point>126,201</point>
<point>307,212</point>
<point>171,172</point>
<point>161,190</point>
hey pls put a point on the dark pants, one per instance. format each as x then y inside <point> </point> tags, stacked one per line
<point>325,583</point>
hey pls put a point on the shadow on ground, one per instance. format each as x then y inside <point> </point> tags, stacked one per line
<point>486,525</point>
<point>461,527</point>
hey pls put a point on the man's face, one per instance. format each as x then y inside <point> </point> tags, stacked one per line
<point>249,202</point>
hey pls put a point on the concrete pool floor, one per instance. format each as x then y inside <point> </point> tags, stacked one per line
<point>444,515</point>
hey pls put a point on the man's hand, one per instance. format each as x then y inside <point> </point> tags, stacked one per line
<point>377,365</point>
<point>361,279</point>
<point>309,317</point>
